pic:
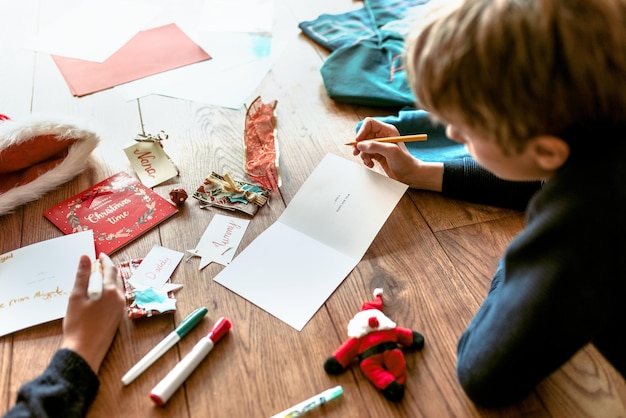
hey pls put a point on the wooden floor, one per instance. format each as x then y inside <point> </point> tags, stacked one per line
<point>434,257</point>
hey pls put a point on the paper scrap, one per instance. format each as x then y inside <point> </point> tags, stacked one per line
<point>151,163</point>
<point>94,30</point>
<point>152,299</point>
<point>149,52</point>
<point>156,268</point>
<point>220,240</point>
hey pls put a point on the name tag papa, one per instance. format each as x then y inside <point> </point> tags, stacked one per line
<point>149,160</point>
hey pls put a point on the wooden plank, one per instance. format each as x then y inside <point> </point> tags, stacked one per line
<point>586,385</point>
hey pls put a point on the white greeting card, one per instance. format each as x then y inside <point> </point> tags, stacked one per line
<point>298,262</point>
<point>36,280</point>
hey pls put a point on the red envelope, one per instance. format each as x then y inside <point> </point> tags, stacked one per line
<point>149,52</point>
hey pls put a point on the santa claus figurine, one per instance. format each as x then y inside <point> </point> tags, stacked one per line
<point>376,341</point>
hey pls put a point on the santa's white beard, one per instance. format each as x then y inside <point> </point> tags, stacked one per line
<point>359,324</point>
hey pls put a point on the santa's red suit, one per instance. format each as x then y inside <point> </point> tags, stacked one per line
<point>376,341</point>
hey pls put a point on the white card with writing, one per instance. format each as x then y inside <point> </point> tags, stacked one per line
<point>220,240</point>
<point>156,268</point>
<point>36,280</point>
<point>316,242</point>
<point>150,162</point>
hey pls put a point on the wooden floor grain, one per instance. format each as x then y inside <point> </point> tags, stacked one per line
<point>434,256</point>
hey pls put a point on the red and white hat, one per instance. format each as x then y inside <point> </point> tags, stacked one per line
<point>38,155</point>
<point>370,318</point>
<point>377,303</point>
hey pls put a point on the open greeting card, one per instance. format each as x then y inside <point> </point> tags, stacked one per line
<point>298,262</point>
<point>36,280</point>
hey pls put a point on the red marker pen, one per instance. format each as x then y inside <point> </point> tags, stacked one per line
<point>170,383</point>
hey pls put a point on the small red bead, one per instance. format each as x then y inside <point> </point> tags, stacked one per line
<point>178,196</point>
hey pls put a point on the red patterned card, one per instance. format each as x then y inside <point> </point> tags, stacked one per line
<point>118,210</point>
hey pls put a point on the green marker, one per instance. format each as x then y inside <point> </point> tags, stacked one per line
<point>311,403</point>
<point>168,342</point>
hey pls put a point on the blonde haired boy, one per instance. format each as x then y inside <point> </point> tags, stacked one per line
<point>536,90</point>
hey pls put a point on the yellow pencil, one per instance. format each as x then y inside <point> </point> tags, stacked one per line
<point>396,139</point>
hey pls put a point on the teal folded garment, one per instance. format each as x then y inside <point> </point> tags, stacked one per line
<point>366,65</point>
<point>368,73</point>
<point>438,147</point>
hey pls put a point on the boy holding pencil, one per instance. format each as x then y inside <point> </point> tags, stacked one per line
<point>536,90</point>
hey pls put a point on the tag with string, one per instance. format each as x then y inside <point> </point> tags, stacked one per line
<point>149,159</point>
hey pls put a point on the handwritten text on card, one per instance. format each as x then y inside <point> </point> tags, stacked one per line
<point>156,268</point>
<point>220,240</point>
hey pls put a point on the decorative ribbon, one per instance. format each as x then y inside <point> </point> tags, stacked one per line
<point>143,137</point>
<point>229,185</point>
<point>95,192</point>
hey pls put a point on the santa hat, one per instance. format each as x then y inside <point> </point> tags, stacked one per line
<point>38,155</point>
<point>377,303</point>
<point>370,318</point>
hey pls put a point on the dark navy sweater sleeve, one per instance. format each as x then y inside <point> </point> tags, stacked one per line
<point>464,179</point>
<point>558,287</point>
<point>65,389</point>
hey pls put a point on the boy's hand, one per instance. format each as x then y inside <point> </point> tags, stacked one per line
<point>373,128</point>
<point>90,325</point>
<point>395,159</point>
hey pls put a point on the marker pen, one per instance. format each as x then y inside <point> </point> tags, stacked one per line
<point>311,403</point>
<point>162,392</point>
<point>168,342</point>
<point>94,288</point>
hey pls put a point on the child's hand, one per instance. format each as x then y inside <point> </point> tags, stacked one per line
<point>395,159</point>
<point>90,325</point>
<point>373,128</point>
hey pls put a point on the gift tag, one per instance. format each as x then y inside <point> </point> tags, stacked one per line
<point>156,268</point>
<point>220,240</point>
<point>150,161</point>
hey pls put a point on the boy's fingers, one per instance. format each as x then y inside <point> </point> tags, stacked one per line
<point>82,275</point>
<point>106,261</point>
<point>109,271</point>
<point>373,147</point>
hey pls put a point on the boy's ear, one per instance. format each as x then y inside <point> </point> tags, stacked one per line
<point>550,152</point>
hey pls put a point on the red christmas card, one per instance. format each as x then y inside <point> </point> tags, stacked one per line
<point>118,210</point>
